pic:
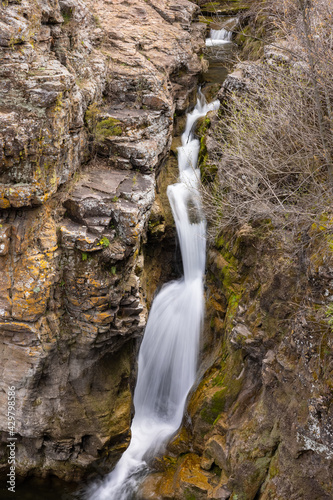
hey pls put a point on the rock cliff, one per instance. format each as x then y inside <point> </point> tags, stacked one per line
<point>259,424</point>
<point>88,94</point>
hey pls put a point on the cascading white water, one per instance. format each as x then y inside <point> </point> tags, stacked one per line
<point>218,37</point>
<point>168,354</point>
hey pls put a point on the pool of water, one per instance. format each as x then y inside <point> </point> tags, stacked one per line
<point>220,60</point>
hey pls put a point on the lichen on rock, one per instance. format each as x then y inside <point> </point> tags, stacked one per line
<point>86,117</point>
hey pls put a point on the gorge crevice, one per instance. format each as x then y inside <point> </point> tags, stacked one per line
<point>92,102</point>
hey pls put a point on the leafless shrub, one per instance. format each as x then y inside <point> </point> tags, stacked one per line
<point>276,141</point>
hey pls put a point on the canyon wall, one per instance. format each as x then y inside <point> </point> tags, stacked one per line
<point>88,94</point>
<point>89,91</point>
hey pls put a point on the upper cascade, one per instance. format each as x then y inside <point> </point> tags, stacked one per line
<point>219,37</point>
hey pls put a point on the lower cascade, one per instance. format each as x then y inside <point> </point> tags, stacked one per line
<point>169,350</point>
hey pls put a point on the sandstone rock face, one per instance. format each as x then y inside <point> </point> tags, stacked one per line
<point>88,94</point>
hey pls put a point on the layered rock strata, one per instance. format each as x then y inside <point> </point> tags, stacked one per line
<point>88,94</point>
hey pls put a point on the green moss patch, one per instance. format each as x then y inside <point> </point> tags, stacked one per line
<point>109,127</point>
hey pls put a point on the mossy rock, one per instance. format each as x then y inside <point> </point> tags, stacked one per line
<point>215,395</point>
<point>109,127</point>
<point>222,7</point>
<point>206,20</point>
<point>207,170</point>
<point>102,129</point>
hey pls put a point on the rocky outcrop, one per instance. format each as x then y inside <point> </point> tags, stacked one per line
<point>60,57</point>
<point>259,423</point>
<point>88,94</point>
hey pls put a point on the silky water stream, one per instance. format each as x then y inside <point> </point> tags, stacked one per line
<point>169,350</point>
<point>219,37</point>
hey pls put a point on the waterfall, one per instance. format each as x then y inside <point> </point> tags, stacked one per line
<point>218,37</point>
<point>169,350</point>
